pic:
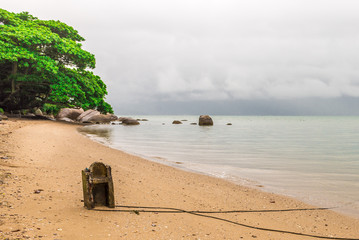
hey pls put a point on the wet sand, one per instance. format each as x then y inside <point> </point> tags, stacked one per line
<point>41,196</point>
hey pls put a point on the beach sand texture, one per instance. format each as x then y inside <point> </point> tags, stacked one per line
<point>41,193</point>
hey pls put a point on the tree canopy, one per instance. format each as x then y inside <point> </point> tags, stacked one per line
<point>42,64</point>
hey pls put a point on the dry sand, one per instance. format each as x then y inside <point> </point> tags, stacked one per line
<point>49,156</point>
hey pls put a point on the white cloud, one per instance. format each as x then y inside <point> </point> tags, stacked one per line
<point>215,49</point>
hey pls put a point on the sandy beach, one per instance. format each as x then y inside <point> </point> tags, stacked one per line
<point>41,196</point>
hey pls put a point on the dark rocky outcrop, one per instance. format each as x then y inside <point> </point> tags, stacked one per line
<point>176,122</point>
<point>205,120</point>
<point>70,113</point>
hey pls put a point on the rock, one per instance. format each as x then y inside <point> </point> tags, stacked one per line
<point>129,121</point>
<point>193,123</point>
<point>205,120</point>
<point>38,112</point>
<point>65,119</point>
<point>3,116</point>
<point>71,113</point>
<point>49,117</point>
<point>85,116</point>
<point>102,118</point>
<point>229,124</point>
<point>30,115</point>
<point>176,122</point>
<point>37,191</point>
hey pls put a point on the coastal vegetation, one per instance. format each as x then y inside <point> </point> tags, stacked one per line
<point>43,65</point>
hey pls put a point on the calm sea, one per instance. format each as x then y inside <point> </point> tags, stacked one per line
<point>314,159</point>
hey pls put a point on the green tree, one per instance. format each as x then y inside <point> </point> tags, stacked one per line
<point>42,64</point>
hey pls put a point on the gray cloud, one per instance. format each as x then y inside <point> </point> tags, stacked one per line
<point>259,52</point>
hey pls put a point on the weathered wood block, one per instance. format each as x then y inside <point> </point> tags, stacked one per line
<point>97,186</point>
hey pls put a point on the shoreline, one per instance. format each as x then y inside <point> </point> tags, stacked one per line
<point>313,188</point>
<point>50,156</point>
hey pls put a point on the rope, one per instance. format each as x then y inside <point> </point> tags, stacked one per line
<point>200,213</point>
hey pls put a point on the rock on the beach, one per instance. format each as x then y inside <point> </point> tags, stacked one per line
<point>3,117</point>
<point>176,122</point>
<point>85,116</point>
<point>38,112</point>
<point>205,120</point>
<point>128,121</point>
<point>65,119</point>
<point>71,113</point>
<point>102,118</point>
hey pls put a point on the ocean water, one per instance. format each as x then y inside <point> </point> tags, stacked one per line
<point>314,159</point>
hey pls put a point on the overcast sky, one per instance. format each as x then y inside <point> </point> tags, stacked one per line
<point>263,57</point>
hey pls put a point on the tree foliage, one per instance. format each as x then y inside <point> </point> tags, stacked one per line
<point>42,64</point>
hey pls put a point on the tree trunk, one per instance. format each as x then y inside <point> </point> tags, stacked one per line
<point>13,73</point>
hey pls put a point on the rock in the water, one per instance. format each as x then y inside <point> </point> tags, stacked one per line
<point>229,124</point>
<point>128,121</point>
<point>205,120</point>
<point>176,122</point>
<point>142,119</point>
<point>193,123</point>
<point>102,118</point>
<point>38,112</point>
<point>120,119</point>
<point>85,116</point>
<point>71,113</point>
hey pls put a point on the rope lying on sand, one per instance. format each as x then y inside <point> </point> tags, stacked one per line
<point>138,209</point>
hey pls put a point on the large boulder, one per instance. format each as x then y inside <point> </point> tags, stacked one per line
<point>128,121</point>
<point>71,113</point>
<point>205,120</point>
<point>85,116</point>
<point>102,118</point>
